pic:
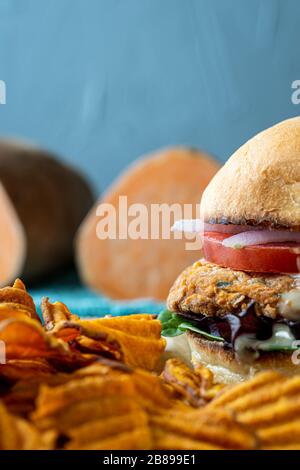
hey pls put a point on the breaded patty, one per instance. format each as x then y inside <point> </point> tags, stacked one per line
<point>211,290</point>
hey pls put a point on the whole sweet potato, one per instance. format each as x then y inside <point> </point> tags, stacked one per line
<point>42,202</point>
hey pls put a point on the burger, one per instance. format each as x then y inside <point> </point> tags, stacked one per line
<point>239,307</point>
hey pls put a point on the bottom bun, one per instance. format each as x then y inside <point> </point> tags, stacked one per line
<point>229,369</point>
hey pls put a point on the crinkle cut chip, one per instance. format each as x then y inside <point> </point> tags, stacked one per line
<point>269,404</point>
<point>18,434</point>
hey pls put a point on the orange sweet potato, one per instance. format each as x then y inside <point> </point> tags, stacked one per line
<point>42,202</point>
<point>130,268</point>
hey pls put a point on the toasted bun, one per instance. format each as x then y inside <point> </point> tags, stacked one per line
<point>228,369</point>
<point>260,183</point>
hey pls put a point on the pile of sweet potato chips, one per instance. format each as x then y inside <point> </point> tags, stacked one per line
<point>96,384</point>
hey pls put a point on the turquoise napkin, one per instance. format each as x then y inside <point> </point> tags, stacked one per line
<point>85,303</point>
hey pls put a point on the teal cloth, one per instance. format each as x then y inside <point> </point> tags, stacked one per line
<point>85,303</point>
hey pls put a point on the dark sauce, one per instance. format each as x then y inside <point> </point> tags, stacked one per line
<point>231,326</point>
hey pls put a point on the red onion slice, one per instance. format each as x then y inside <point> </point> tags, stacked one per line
<point>261,237</point>
<point>188,225</point>
<point>197,226</point>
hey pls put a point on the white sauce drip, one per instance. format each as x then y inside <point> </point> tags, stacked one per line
<point>282,337</point>
<point>289,305</point>
<point>177,346</point>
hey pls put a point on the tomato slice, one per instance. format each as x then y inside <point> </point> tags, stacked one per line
<point>272,258</point>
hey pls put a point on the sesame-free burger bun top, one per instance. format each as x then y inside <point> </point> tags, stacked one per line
<point>260,183</point>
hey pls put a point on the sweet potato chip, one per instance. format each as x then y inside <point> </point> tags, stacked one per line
<point>56,318</point>
<point>18,434</point>
<point>151,392</point>
<point>85,399</point>
<point>105,428</point>
<point>237,392</point>
<point>184,381</point>
<point>269,405</point>
<point>26,339</point>
<point>31,437</point>
<point>166,440</point>
<point>138,439</point>
<point>52,400</point>
<point>98,343</point>
<point>9,437</point>
<point>54,313</point>
<point>21,369</point>
<point>21,397</point>
<point>84,412</point>
<point>89,384</point>
<point>135,340</point>
<point>139,338</point>
<point>210,429</point>
<point>15,301</point>
<point>195,386</point>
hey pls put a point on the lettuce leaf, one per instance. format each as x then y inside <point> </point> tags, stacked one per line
<point>278,348</point>
<point>188,326</point>
<point>173,325</point>
<point>170,323</point>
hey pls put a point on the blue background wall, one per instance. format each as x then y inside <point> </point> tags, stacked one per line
<point>104,81</point>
